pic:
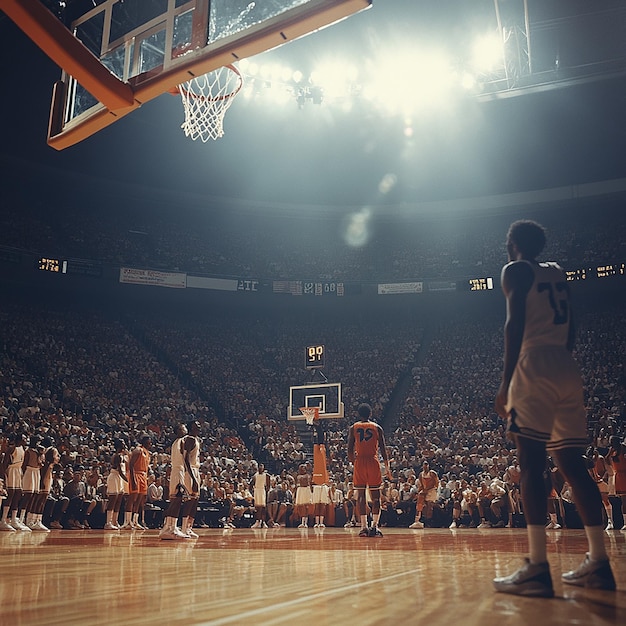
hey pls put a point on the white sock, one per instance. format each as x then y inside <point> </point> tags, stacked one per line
<point>537,544</point>
<point>595,537</point>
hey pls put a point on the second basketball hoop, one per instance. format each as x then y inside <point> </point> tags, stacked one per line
<point>311,414</point>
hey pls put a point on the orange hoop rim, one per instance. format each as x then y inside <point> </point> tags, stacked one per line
<point>180,90</point>
<point>310,413</point>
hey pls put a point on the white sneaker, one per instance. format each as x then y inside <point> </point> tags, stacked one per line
<point>169,535</point>
<point>38,526</point>
<point>484,525</point>
<point>126,526</point>
<point>19,525</point>
<point>4,525</point>
<point>263,525</point>
<point>109,526</point>
<point>303,526</point>
<point>321,525</point>
<point>417,524</point>
<point>609,526</point>
<point>191,534</point>
<point>256,524</point>
<point>453,525</point>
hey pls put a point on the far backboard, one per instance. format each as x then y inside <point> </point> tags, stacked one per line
<point>119,54</point>
<point>326,396</point>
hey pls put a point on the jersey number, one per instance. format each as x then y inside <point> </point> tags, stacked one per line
<point>558,306</point>
<point>365,434</point>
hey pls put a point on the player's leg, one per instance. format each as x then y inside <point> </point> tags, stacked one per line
<point>595,571</point>
<point>533,578</point>
<point>418,511</point>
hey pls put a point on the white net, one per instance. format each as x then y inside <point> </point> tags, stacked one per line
<point>310,414</point>
<point>206,99</point>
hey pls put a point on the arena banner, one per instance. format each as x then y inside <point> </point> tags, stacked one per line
<point>217,284</point>
<point>392,288</point>
<point>175,280</point>
<point>442,285</point>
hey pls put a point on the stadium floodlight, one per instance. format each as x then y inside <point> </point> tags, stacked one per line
<point>488,53</point>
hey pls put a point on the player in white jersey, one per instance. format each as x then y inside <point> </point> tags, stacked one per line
<point>541,397</point>
<point>178,491</point>
<point>13,461</point>
<point>192,444</point>
<point>260,487</point>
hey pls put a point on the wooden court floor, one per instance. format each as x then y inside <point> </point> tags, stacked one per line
<point>292,576</point>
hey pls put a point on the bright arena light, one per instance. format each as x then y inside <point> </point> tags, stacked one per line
<point>411,80</point>
<point>488,53</point>
<point>336,79</point>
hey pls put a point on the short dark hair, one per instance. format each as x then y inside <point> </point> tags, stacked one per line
<point>529,237</point>
<point>364,410</point>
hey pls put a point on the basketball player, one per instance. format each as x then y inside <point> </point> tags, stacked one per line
<point>177,489</point>
<point>31,480</point>
<point>541,397</point>
<point>115,485</point>
<point>13,460</point>
<point>616,456</point>
<point>365,440</point>
<point>599,472</point>
<point>138,479</point>
<point>260,487</point>
<point>302,504</point>
<point>427,485</point>
<point>192,444</point>
<point>51,457</point>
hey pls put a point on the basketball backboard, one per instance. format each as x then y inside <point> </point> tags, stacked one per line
<point>326,396</point>
<point>119,54</point>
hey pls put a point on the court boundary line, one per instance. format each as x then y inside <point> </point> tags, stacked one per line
<point>322,594</point>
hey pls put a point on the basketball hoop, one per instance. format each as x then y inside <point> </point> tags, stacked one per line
<point>206,99</point>
<point>311,414</point>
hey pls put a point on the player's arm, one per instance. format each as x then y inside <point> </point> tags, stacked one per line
<point>517,278</point>
<point>131,468</point>
<point>189,444</point>
<point>351,444</point>
<point>382,445</point>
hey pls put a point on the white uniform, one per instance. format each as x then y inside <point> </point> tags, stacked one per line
<point>13,479</point>
<point>177,476</point>
<point>259,491</point>
<point>31,479</point>
<point>546,392</point>
<point>115,483</point>
<point>321,494</point>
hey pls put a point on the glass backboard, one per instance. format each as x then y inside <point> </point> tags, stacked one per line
<point>119,54</point>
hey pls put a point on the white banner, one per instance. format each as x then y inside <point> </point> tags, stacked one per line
<point>135,276</point>
<point>387,288</point>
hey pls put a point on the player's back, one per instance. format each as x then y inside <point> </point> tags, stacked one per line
<point>365,438</point>
<point>547,308</point>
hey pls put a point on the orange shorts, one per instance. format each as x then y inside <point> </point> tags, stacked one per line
<point>141,484</point>
<point>366,473</point>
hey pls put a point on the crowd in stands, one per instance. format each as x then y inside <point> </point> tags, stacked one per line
<point>88,376</point>
<point>85,378</point>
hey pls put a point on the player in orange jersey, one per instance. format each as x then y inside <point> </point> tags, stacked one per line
<point>365,440</point>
